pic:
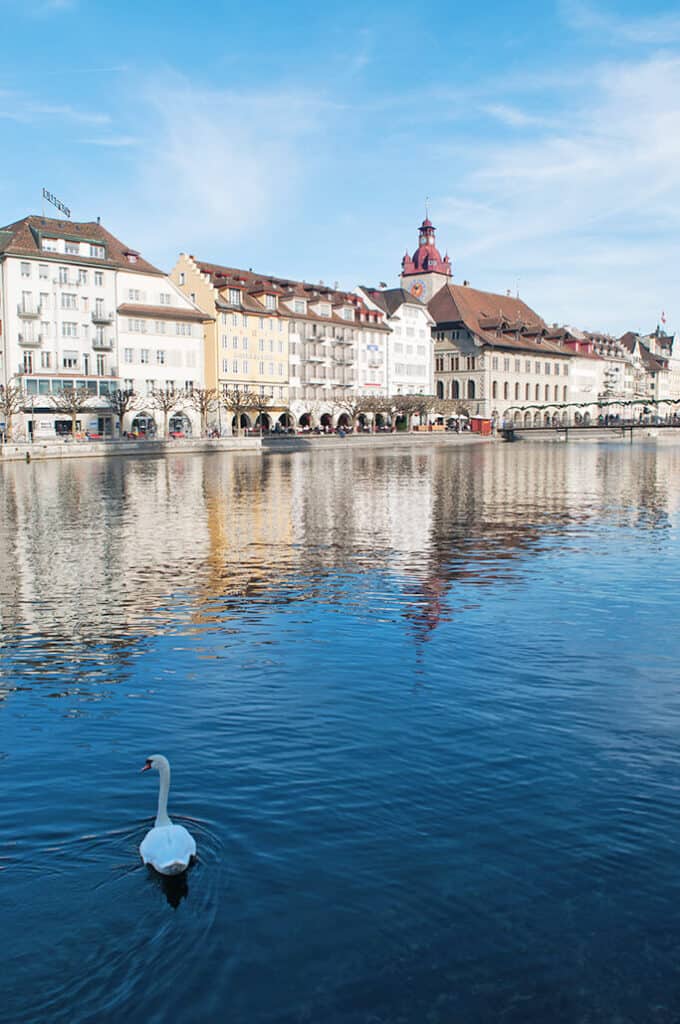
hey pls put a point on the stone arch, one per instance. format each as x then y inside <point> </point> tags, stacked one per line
<point>266,421</point>
<point>326,421</point>
<point>246,423</point>
<point>527,419</point>
<point>455,388</point>
<point>440,389</point>
<point>305,421</point>
<point>143,424</point>
<point>286,420</point>
<point>537,419</point>
<point>179,423</point>
<point>344,421</point>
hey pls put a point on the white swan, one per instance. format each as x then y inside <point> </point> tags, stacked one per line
<point>166,847</point>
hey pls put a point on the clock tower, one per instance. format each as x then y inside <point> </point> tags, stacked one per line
<point>424,273</point>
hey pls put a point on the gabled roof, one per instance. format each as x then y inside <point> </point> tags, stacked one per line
<point>23,238</point>
<point>253,284</point>
<point>498,320</point>
<point>390,299</point>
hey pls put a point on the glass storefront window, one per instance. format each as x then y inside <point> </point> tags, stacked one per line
<point>31,386</point>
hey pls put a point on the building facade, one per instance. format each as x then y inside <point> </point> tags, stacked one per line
<point>409,349</point>
<point>68,294</point>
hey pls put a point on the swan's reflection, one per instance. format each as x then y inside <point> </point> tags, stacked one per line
<point>175,888</point>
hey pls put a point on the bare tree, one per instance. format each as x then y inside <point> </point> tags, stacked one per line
<point>204,401</point>
<point>165,401</point>
<point>121,402</point>
<point>447,408</point>
<point>237,401</point>
<point>375,405</point>
<point>72,402</point>
<point>353,405</point>
<point>411,405</point>
<point>260,404</point>
<point>12,399</point>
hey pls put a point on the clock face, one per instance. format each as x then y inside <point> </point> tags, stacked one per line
<point>417,289</point>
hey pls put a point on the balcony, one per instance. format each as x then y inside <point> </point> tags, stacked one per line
<point>344,360</point>
<point>343,341</point>
<point>102,344</point>
<point>30,340</point>
<point>100,317</point>
<point>28,312</point>
<point>315,357</point>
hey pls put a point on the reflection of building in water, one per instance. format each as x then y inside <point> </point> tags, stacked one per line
<point>116,549</point>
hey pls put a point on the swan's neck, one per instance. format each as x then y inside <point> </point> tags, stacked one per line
<point>162,814</point>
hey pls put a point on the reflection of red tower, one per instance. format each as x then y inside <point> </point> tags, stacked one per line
<point>425,260</point>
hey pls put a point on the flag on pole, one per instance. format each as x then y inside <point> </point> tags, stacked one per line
<point>663,317</point>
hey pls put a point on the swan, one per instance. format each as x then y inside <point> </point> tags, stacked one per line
<point>166,847</point>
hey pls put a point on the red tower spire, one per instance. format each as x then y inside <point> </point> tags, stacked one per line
<point>426,258</point>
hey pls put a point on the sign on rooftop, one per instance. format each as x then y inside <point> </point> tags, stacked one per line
<point>56,202</point>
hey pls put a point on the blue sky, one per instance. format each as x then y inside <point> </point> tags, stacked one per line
<point>301,139</point>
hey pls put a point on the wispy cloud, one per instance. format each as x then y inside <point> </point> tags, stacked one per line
<point>595,199</point>
<point>66,112</point>
<point>218,163</point>
<point>661,29</point>
<point>513,117</point>
<point>114,141</point>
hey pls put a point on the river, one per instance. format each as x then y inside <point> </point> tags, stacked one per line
<point>423,714</point>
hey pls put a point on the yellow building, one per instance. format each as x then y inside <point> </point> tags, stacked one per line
<point>247,344</point>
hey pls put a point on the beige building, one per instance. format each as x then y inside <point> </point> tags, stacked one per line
<point>246,344</point>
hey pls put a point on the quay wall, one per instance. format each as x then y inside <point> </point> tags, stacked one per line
<point>331,442</point>
<point>40,450</point>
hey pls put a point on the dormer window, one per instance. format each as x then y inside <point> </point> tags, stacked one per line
<point>98,252</point>
<point>324,309</point>
<point>72,248</point>
<point>235,296</point>
<point>348,313</point>
<point>300,306</point>
<point>132,257</point>
<point>270,301</point>
<point>49,244</point>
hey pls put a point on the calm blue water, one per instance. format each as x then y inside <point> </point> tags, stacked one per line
<point>423,715</point>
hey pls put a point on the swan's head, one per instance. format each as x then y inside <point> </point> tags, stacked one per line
<point>156,761</point>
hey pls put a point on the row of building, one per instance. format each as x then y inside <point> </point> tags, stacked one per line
<point>79,309</point>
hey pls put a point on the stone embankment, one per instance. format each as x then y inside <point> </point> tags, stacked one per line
<point>274,444</point>
<point>39,450</point>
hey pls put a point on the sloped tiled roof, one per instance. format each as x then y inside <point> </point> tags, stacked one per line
<point>23,238</point>
<point>498,320</point>
<point>163,312</point>
<point>390,299</point>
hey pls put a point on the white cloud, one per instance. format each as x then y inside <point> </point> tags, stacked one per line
<point>513,117</point>
<point>217,164</point>
<point>657,30</point>
<point>66,112</point>
<point>587,215</point>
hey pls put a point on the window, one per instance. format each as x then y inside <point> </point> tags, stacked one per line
<point>547,392</point>
<point>181,277</point>
<point>144,355</point>
<point>471,388</point>
<point>348,314</point>
<point>98,252</point>
<point>527,366</point>
<point>494,389</point>
<point>128,355</point>
<point>234,341</point>
<point>189,386</point>
<point>299,306</point>
<point>225,341</point>
<point>28,364</point>
<point>234,365</point>
<point>101,366</point>
<point>470,365</point>
<point>42,271</point>
<point>137,326</point>
<point>261,344</point>
<point>165,300</point>
<point>517,392</point>
<point>63,275</point>
<point>261,323</point>
<point>183,329</point>
<point>270,301</point>
<point>69,330</point>
<point>82,277</point>
<point>244,320</point>
<point>235,296</point>
<point>245,342</point>
<point>49,244</point>
<point>45,360</point>
<point>234,319</point>
<point>160,356</point>
<point>245,365</point>
<point>150,384</point>
<point>25,269</point>
<point>506,391</point>
<point>557,369</point>
<point>518,365</point>
<point>133,294</point>
<point>225,366</point>
<point>128,384</point>
<point>556,392</point>
<point>547,368</point>
<point>527,391</point>
<point>280,370</point>
<point>538,392</point>
<point>192,296</point>
<point>261,368</point>
<point>161,326</point>
<point>506,364</point>
<point>564,393</point>
<point>70,361</point>
<point>98,278</point>
<point>68,301</point>
<point>72,248</point>
<point>537,367</point>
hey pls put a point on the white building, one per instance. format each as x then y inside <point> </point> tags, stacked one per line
<point>409,365</point>
<point>68,294</point>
